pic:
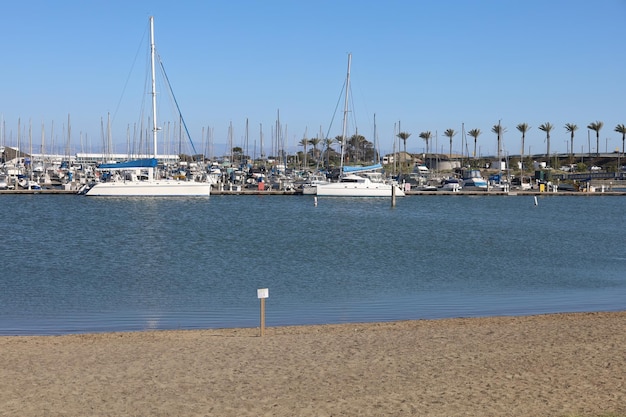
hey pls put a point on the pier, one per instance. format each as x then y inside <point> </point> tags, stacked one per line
<point>597,187</point>
<point>244,191</point>
<point>42,191</point>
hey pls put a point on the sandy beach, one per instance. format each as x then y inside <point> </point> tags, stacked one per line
<point>550,365</point>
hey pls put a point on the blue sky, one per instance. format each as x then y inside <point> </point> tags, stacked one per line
<point>427,66</point>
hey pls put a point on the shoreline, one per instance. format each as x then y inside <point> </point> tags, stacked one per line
<point>548,365</point>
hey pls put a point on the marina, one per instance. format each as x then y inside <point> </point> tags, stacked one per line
<point>204,212</point>
<point>356,169</point>
<point>53,174</point>
<point>621,191</point>
<point>338,252</point>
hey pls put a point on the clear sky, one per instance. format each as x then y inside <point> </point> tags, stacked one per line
<point>422,65</point>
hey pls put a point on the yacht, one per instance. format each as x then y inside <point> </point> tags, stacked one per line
<point>369,184</point>
<point>473,180</point>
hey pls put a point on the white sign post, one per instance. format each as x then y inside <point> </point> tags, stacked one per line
<point>262,294</point>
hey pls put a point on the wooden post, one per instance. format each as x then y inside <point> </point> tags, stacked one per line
<point>262,317</point>
<point>393,195</point>
<point>262,294</point>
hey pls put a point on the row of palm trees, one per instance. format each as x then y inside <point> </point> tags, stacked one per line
<point>359,148</point>
<point>523,128</point>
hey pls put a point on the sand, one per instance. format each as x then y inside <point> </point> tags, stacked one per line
<point>549,365</point>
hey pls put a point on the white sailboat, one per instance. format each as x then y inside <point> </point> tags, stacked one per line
<point>140,177</point>
<point>357,181</point>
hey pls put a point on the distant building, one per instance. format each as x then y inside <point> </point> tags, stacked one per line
<point>401,157</point>
<point>8,153</point>
<point>97,158</point>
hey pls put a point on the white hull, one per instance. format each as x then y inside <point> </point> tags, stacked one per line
<point>309,189</point>
<point>473,180</point>
<point>157,188</point>
<point>451,187</point>
<point>339,189</point>
<point>471,185</point>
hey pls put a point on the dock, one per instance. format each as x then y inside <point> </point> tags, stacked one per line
<point>250,191</point>
<point>42,191</point>
<point>213,192</point>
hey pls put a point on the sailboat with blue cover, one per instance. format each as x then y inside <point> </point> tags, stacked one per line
<point>361,181</point>
<point>140,177</point>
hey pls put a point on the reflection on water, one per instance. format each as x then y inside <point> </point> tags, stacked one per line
<point>75,264</point>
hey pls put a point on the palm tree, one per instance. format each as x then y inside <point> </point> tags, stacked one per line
<point>450,133</point>
<point>621,129</point>
<point>315,142</point>
<point>547,127</point>
<point>499,130</point>
<point>328,142</point>
<point>356,143</point>
<point>304,143</point>
<point>596,126</point>
<point>426,136</point>
<point>523,128</point>
<point>474,133</point>
<point>237,153</point>
<point>571,128</point>
<point>404,136</point>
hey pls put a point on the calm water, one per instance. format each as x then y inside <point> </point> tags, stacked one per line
<point>73,264</point>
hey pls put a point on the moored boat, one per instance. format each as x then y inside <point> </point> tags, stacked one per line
<point>370,182</point>
<point>309,187</point>
<point>473,180</point>
<point>451,184</point>
<point>138,178</point>
<point>128,179</point>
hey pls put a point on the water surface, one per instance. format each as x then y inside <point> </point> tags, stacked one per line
<point>74,264</point>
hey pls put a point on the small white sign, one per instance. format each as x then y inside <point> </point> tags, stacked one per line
<point>263,293</point>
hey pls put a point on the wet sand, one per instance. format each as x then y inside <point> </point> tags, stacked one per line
<point>549,365</point>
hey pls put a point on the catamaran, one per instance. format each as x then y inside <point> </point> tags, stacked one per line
<point>357,181</point>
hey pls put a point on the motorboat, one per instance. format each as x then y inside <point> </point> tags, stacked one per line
<point>473,180</point>
<point>28,184</point>
<point>4,183</point>
<point>309,187</point>
<point>451,184</point>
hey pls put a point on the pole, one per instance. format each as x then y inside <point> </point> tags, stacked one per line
<point>153,71</point>
<point>262,317</point>
<point>345,114</point>
<point>262,294</point>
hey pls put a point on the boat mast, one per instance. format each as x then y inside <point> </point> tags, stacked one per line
<point>154,119</point>
<point>345,113</point>
<point>376,157</point>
